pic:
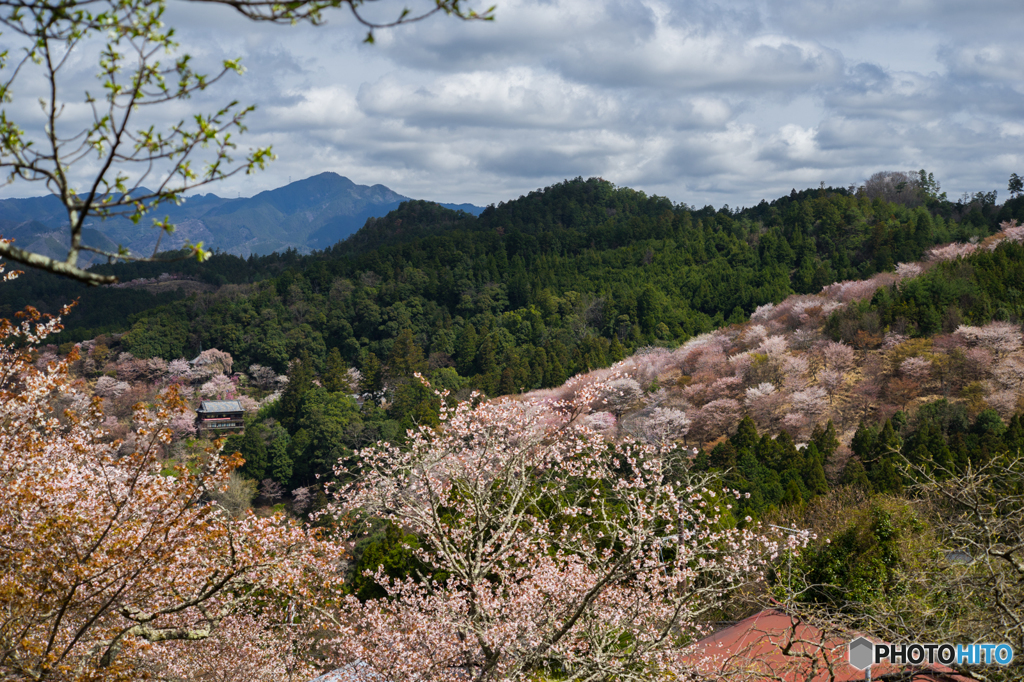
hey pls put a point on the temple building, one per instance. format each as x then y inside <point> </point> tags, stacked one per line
<point>221,415</point>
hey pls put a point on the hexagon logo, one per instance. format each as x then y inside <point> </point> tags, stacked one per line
<point>861,650</point>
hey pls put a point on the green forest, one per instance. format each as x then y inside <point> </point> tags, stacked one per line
<point>557,282</point>
<point>533,291</point>
<point>822,410</point>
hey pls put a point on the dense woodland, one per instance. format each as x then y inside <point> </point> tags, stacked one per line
<point>821,355</point>
<point>534,290</point>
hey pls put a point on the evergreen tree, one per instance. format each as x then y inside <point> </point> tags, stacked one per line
<point>723,456</point>
<point>466,350</point>
<point>253,450</point>
<point>336,374</point>
<point>793,495</point>
<point>856,475</point>
<point>372,375</point>
<point>616,351</point>
<point>826,439</point>
<point>280,462</point>
<point>406,357</point>
<point>813,472</point>
<point>746,434</point>
<point>555,375</point>
<point>486,360</point>
<point>300,381</point>
<point>507,385</point>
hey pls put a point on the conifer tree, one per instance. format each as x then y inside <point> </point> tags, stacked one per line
<point>254,450</point>
<point>507,385</point>
<point>336,374</point>
<point>813,471</point>
<point>826,439</point>
<point>372,380</point>
<point>616,351</point>
<point>746,434</point>
<point>280,464</point>
<point>854,474</point>
<point>406,357</point>
<point>555,375</point>
<point>300,380</point>
<point>466,350</point>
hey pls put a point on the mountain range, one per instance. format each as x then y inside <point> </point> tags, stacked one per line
<point>306,215</point>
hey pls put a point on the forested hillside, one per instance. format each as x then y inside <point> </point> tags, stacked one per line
<point>537,289</point>
<point>846,409</point>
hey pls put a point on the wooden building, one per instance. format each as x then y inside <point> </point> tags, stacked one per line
<point>220,415</point>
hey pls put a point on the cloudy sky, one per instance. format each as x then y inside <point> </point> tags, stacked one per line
<point>703,102</point>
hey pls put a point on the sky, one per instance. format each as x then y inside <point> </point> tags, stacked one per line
<point>702,102</point>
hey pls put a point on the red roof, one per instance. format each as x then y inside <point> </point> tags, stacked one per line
<point>772,645</point>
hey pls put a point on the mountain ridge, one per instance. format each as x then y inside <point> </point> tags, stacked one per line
<point>305,215</point>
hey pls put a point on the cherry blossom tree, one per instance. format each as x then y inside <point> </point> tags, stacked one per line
<point>109,387</point>
<point>892,340</point>
<point>715,419</point>
<point>183,423</point>
<point>833,381</point>
<point>852,290</point>
<point>1004,402</point>
<point>156,369</point>
<point>109,567</point>
<point>211,362</point>
<point>1010,372</point>
<point>250,405</point>
<point>977,364</point>
<point>763,403</point>
<point>219,387</point>
<point>810,401</point>
<point>694,393</point>
<point>180,370</point>
<point>908,270</point>
<point>794,368</point>
<point>264,377</point>
<point>1001,338</point>
<point>755,333</point>
<point>837,355</point>
<point>796,424</point>
<point>950,252</point>
<point>725,387</point>
<point>917,368</point>
<point>773,346</point>
<point>554,552</point>
<point>301,499</point>
<point>664,425</point>
<point>619,394</point>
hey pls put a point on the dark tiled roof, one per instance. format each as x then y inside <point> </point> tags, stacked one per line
<point>220,406</point>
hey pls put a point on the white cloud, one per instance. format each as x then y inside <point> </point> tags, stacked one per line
<point>705,102</point>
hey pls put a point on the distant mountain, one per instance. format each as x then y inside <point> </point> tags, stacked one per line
<point>468,208</point>
<point>309,214</point>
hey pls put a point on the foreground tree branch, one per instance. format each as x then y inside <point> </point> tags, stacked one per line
<point>980,512</point>
<point>122,163</point>
<point>550,551</point>
<point>111,566</point>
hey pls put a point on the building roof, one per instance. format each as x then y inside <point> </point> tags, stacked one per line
<point>220,406</point>
<point>773,645</point>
